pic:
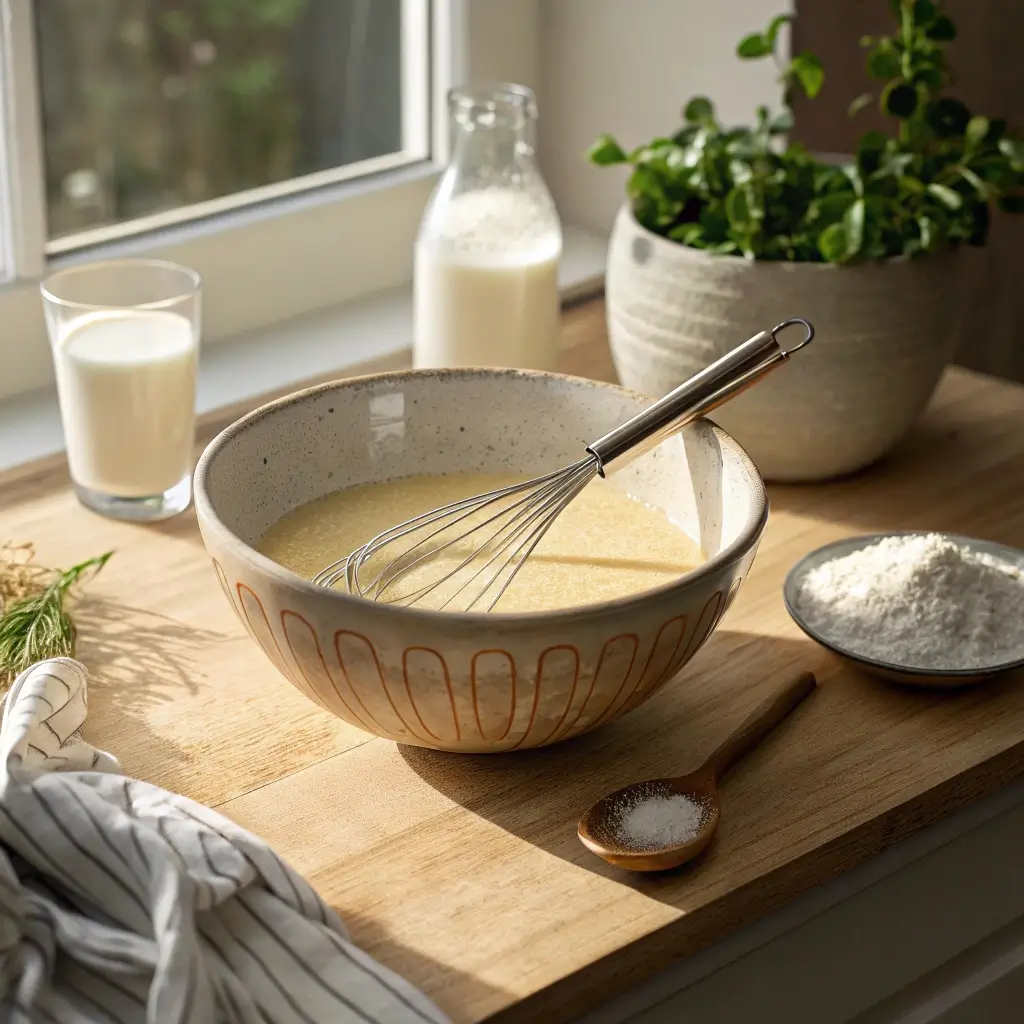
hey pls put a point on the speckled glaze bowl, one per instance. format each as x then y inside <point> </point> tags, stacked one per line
<point>469,682</point>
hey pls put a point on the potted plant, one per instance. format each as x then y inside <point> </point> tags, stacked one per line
<point>727,231</point>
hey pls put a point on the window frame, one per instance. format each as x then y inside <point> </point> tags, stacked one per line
<point>262,264</point>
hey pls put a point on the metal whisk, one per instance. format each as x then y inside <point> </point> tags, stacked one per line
<point>471,550</point>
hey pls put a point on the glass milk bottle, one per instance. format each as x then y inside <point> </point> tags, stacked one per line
<point>486,270</point>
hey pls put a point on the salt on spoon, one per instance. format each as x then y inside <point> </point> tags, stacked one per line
<point>663,823</point>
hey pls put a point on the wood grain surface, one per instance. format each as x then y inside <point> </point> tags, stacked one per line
<point>465,873</point>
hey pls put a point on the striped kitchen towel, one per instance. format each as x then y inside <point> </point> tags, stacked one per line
<point>121,903</point>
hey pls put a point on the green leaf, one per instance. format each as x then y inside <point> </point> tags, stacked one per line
<point>714,221</point>
<point>684,136</point>
<point>686,234</point>
<point>916,134</point>
<point>807,70</point>
<point>783,123</point>
<point>606,151</point>
<point>645,209</point>
<point>924,12</point>
<point>1012,204</point>
<point>996,171</point>
<point>833,243</point>
<point>831,208</point>
<point>949,198</point>
<point>863,100</point>
<point>979,186</point>
<point>895,164</point>
<point>928,232</point>
<point>644,182</point>
<point>676,158</point>
<point>699,110</point>
<point>931,76</point>
<point>740,171</point>
<point>737,209</point>
<point>853,226</point>
<point>656,151</point>
<point>754,202</point>
<point>753,46</point>
<point>948,117</point>
<point>869,151</point>
<point>853,175</point>
<point>723,248</point>
<point>745,147</point>
<point>975,132</point>
<point>883,61</point>
<point>1013,150</point>
<point>772,32</point>
<point>899,99</point>
<point>942,30</point>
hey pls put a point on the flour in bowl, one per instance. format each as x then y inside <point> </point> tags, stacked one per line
<point>921,601</point>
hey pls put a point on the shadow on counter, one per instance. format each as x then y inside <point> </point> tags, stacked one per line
<point>932,480</point>
<point>810,758</point>
<point>458,993</point>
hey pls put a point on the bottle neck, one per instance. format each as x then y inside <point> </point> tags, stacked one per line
<point>499,152</point>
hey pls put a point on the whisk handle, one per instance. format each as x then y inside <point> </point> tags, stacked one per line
<point>706,390</point>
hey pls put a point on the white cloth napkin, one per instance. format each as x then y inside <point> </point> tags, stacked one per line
<point>121,902</point>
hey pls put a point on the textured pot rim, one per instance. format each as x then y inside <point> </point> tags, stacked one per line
<point>747,539</point>
<point>781,266</point>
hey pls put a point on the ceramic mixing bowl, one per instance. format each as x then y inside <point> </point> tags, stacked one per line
<point>469,682</point>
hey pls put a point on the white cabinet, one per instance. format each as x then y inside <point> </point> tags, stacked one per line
<point>984,985</point>
<point>929,932</point>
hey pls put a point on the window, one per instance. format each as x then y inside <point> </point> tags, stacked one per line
<point>156,112</point>
<point>282,148</point>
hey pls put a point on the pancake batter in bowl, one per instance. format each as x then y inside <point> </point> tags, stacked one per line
<point>605,545</point>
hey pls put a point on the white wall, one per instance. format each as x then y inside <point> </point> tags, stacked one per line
<point>627,67</point>
<point>504,44</point>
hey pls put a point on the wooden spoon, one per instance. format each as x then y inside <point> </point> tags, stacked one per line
<point>599,827</point>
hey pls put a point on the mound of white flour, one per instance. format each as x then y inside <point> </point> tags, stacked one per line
<point>921,601</point>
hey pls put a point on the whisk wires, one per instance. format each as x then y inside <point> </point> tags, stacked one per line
<point>465,554</point>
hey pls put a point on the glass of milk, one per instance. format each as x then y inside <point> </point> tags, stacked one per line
<point>486,267</point>
<point>125,340</point>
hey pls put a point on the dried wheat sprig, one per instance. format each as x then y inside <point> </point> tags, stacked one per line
<point>34,624</point>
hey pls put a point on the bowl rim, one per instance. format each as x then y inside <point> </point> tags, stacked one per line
<point>846,546</point>
<point>747,538</point>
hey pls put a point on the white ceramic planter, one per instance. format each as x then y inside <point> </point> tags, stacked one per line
<point>885,332</point>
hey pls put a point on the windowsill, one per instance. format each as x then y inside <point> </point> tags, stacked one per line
<point>321,344</point>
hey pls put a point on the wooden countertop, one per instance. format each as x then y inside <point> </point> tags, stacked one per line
<point>465,874</point>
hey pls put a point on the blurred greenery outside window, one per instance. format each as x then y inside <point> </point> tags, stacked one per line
<point>152,106</point>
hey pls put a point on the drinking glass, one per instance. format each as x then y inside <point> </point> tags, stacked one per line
<point>125,342</point>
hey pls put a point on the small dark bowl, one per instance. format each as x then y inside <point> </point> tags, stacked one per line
<point>907,675</point>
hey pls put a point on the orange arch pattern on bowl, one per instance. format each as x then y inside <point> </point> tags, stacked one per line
<point>442,664</point>
<point>473,685</point>
<point>673,646</point>
<point>262,632</point>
